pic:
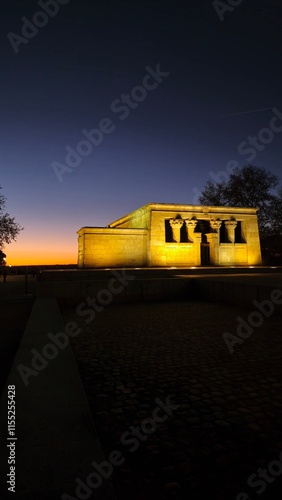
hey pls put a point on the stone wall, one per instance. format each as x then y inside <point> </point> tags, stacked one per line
<point>139,219</point>
<point>106,247</point>
<point>177,253</point>
<point>174,253</point>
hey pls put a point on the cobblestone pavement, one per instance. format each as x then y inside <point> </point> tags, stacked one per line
<point>228,423</point>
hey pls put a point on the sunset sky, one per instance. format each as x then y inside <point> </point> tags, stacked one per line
<point>222,81</point>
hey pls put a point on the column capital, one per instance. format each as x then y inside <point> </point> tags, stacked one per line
<point>232,224</point>
<point>177,223</point>
<point>215,224</point>
<point>191,223</point>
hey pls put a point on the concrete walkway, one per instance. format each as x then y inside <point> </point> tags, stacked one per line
<point>56,437</point>
<point>14,314</point>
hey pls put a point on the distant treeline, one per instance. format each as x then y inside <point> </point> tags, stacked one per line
<point>37,269</point>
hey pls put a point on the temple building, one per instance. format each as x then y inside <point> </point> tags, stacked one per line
<point>167,235</point>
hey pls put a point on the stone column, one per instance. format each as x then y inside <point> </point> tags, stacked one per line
<point>195,238</point>
<point>230,227</point>
<point>176,225</point>
<point>214,240</point>
<point>191,224</point>
<point>197,248</point>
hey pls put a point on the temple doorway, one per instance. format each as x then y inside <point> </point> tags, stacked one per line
<point>203,227</point>
<point>205,254</point>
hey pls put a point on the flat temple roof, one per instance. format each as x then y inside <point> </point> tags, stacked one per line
<point>183,208</point>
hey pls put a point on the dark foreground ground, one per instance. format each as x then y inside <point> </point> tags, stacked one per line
<point>16,300</point>
<point>14,314</point>
<point>226,429</point>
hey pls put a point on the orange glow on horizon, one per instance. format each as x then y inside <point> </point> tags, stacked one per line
<point>41,259</point>
<point>41,252</point>
<point>30,258</point>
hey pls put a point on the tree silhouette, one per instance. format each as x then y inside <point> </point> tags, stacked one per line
<point>9,229</point>
<point>255,187</point>
<point>2,258</point>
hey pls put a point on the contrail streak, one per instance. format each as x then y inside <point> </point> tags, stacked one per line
<point>243,113</point>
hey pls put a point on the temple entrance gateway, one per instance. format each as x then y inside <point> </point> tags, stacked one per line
<point>203,227</point>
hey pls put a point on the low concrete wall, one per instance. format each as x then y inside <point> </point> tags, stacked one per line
<point>56,437</point>
<point>239,286</point>
<point>113,290</point>
<point>239,292</point>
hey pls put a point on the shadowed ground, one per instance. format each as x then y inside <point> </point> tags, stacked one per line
<point>228,423</point>
<point>17,286</point>
<point>14,314</point>
<point>15,308</point>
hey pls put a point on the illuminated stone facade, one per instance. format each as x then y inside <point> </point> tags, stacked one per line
<point>162,235</point>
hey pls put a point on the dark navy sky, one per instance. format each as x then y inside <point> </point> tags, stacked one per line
<point>65,79</point>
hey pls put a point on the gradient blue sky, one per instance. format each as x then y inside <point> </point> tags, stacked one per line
<point>65,79</point>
